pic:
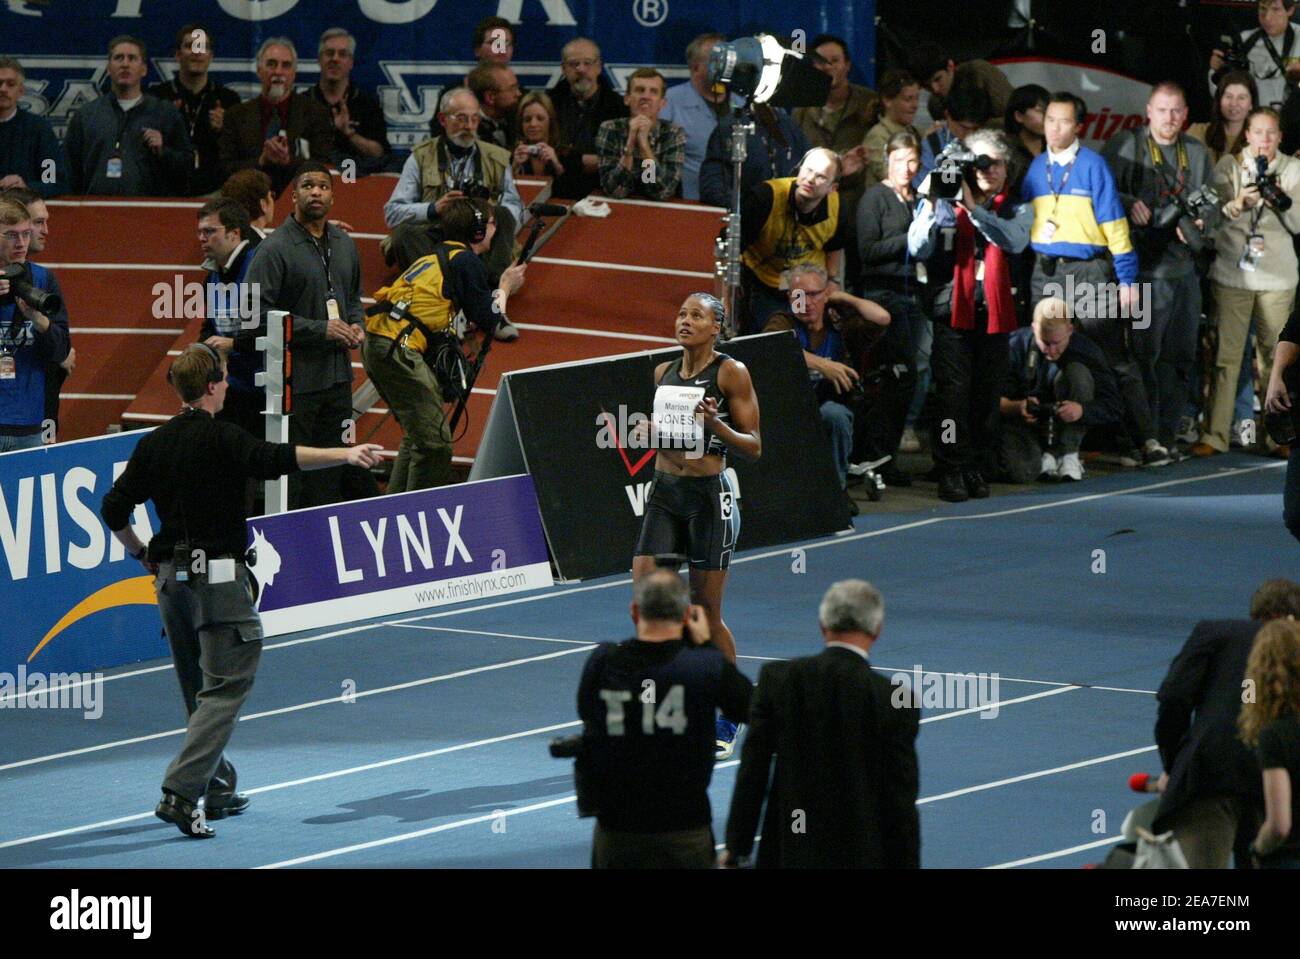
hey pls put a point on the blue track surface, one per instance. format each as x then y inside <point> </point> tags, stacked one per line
<point>441,758</point>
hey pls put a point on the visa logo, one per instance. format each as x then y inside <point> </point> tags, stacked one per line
<point>71,529</point>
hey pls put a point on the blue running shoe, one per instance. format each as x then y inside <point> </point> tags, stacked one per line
<point>726,739</point>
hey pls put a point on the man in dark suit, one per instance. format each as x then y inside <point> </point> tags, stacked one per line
<point>844,791</point>
<point>278,130</point>
<point>1211,784</point>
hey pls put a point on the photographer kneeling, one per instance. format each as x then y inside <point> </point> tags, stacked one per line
<point>409,326</point>
<point>1058,386</point>
<point>822,319</point>
<point>648,707</point>
<point>968,295</point>
<point>1254,274</point>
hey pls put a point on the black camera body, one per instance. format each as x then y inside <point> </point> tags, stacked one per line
<point>1234,55</point>
<point>469,186</point>
<point>20,287</point>
<point>574,747</point>
<point>1183,210</point>
<point>1044,412</point>
<point>953,166</point>
<point>1271,192</point>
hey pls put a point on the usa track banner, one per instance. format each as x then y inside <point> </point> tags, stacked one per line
<point>408,51</point>
<point>70,597</point>
<point>570,424</point>
<point>394,554</point>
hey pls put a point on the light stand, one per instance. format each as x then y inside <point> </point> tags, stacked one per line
<point>758,70</point>
<point>728,251</point>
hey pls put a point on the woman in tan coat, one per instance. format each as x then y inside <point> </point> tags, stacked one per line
<point>1254,273</point>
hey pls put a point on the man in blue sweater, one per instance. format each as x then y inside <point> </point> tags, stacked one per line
<point>1080,228</point>
<point>28,338</point>
<point>30,154</point>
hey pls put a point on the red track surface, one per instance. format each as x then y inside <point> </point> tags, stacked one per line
<point>110,254</point>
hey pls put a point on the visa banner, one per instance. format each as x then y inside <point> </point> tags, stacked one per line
<point>70,597</point>
<point>394,554</point>
<point>408,51</point>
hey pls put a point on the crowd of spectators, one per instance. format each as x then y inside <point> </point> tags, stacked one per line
<point>1109,241</point>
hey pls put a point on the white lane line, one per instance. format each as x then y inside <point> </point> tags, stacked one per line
<point>381,764</point>
<point>123,331</point>
<point>488,817</point>
<point>388,841</point>
<point>1109,841</point>
<point>952,714</point>
<point>661,205</point>
<point>626,267</point>
<point>480,632</point>
<point>432,830</point>
<point>135,204</point>
<point>412,684</point>
<point>607,334</point>
<point>154,267</point>
<point>1037,775</point>
<point>96,396</point>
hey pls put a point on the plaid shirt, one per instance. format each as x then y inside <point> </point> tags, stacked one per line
<point>668,141</point>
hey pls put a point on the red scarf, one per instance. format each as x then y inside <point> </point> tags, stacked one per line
<point>997,279</point>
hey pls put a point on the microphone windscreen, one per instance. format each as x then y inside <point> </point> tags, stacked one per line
<point>1138,782</point>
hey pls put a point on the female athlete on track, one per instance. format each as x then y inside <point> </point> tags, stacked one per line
<point>691,508</point>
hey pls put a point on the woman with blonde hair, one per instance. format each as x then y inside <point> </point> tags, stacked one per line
<point>540,150</point>
<point>1270,723</point>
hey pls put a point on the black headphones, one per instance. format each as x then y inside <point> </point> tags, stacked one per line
<point>215,375</point>
<point>480,226</point>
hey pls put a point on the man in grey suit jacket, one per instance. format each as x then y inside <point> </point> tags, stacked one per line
<point>845,787</point>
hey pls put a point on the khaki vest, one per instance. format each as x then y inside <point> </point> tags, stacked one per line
<point>784,242</point>
<point>493,162</point>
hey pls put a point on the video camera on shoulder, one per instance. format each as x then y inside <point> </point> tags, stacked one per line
<point>954,165</point>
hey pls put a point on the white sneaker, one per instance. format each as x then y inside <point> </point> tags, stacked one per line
<point>1070,468</point>
<point>1049,467</point>
<point>1187,431</point>
<point>506,332</point>
<point>1243,434</point>
<point>1153,454</point>
<point>911,443</point>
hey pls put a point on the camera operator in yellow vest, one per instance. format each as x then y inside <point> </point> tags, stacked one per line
<point>787,221</point>
<point>411,323</point>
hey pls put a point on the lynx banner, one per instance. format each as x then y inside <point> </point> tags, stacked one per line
<point>408,51</point>
<point>568,426</point>
<point>71,597</point>
<point>394,554</point>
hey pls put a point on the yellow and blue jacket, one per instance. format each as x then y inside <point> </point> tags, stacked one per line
<point>1089,214</point>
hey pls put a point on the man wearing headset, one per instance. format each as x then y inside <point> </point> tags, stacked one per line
<point>194,468</point>
<point>410,320</point>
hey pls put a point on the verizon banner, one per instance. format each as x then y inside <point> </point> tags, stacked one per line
<point>1115,101</point>
<point>569,426</point>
